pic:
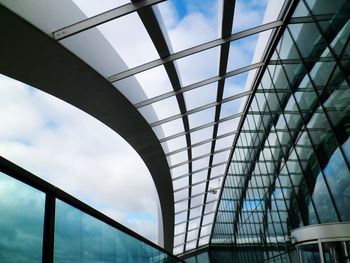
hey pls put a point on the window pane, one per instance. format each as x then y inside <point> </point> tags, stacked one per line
<point>21,221</point>
<point>82,238</point>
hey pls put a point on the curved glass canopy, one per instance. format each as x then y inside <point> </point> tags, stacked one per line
<point>193,70</point>
<point>187,66</point>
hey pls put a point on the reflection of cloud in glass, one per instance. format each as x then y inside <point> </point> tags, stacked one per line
<point>80,237</point>
<point>21,221</point>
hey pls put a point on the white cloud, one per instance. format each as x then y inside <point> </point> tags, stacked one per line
<point>75,152</point>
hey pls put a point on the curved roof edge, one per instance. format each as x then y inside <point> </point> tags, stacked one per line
<point>32,57</point>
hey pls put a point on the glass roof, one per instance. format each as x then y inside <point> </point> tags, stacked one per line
<point>189,68</point>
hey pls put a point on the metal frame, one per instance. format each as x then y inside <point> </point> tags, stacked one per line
<point>231,117</point>
<point>285,16</point>
<point>193,50</point>
<point>199,84</point>
<point>146,9</point>
<point>201,108</point>
<point>201,143</point>
<point>200,170</point>
<point>99,19</point>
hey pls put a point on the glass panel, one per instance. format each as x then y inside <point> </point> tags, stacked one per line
<point>178,250</point>
<point>177,158</point>
<point>301,10</point>
<point>202,117</point>
<point>200,96</point>
<point>221,157</point>
<point>224,142</point>
<point>199,177</point>
<point>82,238</point>
<point>336,252</point>
<point>21,222</point>
<point>204,241</point>
<point>322,7</point>
<point>129,37</point>
<point>235,85</point>
<point>286,48</point>
<point>180,195</point>
<point>194,223</point>
<point>308,40</point>
<point>241,52</point>
<point>174,144</point>
<point>169,128</point>
<point>248,14</point>
<point>218,170</point>
<point>338,179</point>
<point>150,83</point>
<point>201,149</point>
<point>310,253</point>
<point>201,163</point>
<point>189,23</point>
<point>232,107</point>
<point>202,135</point>
<point>198,200</point>
<point>191,245</point>
<point>194,212</point>
<point>199,66</point>
<point>164,109</point>
<point>178,240</point>
<point>179,183</point>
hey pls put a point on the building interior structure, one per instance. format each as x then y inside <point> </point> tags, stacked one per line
<point>251,159</point>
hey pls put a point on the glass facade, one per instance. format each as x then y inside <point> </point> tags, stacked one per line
<point>80,234</point>
<point>290,166</point>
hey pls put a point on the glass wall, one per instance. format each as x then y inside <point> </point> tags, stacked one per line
<point>290,167</point>
<point>80,234</point>
<point>80,237</point>
<point>21,221</point>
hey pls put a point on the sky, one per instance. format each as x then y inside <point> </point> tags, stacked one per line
<point>74,151</point>
<point>77,153</point>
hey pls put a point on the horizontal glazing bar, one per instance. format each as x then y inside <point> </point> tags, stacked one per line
<point>234,116</point>
<point>201,143</point>
<point>211,212</point>
<point>102,18</point>
<point>199,194</point>
<point>185,210</point>
<point>193,50</point>
<point>201,157</point>
<point>193,229</point>
<point>197,183</point>
<point>199,84</point>
<point>200,170</point>
<point>201,108</point>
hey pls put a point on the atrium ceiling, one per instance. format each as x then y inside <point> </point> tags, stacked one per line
<point>191,69</point>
